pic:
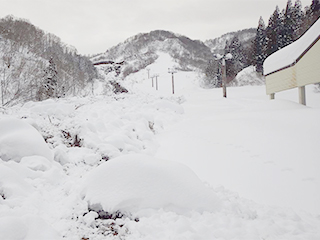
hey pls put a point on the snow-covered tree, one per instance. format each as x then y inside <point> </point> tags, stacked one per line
<point>312,14</point>
<point>259,46</point>
<point>50,80</point>
<point>315,9</point>
<point>238,61</point>
<point>274,32</point>
<point>212,75</point>
<point>297,16</point>
<point>288,25</point>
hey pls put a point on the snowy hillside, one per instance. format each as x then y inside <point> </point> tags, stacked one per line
<point>153,165</point>
<point>27,53</point>
<point>141,50</point>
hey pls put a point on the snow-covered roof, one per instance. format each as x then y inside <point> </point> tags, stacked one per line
<point>290,54</point>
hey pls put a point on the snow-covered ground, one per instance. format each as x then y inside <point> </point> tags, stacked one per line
<point>152,165</point>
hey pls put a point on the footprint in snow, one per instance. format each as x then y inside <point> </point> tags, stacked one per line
<point>287,170</point>
<point>268,162</point>
<point>309,179</point>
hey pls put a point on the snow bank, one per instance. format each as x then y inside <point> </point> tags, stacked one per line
<point>19,139</point>
<point>289,54</point>
<point>137,182</point>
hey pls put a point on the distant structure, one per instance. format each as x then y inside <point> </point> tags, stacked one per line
<point>108,62</point>
<point>295,65</point>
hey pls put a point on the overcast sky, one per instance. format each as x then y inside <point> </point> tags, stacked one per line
<point>93,26</point>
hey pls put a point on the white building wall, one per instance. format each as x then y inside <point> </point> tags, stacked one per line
<point>308,68</point>
<point>305,71</point>
<point>282,80</point>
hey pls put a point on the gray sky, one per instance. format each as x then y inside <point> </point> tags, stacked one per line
<point>93,26</point>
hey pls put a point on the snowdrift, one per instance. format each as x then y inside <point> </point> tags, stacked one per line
<point>135,182</point>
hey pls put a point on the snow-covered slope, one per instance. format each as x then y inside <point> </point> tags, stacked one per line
<point>243,153</point>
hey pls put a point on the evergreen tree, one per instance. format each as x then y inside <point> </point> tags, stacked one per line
<point>212,78</point>
<point>288,25</point>
<point>274,33</point>
<point>238,61</point>
<point>297,17</point>
<point>50,81</point>
<point>259,46</point>
<point>312,14</point>
<point>315,9</point>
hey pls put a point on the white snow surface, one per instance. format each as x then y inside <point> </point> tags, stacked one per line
<point>192,165</point>
<point>289,54</point>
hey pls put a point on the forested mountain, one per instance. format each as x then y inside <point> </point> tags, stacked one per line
<point>35,65</point>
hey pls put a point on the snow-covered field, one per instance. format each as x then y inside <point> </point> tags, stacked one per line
<point>152,165</point>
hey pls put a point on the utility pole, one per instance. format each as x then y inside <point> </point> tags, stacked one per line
<point>172,71</point>
<point>2,83</point>
<point>156,76</point>
<point>148,69</point>
<point>224,78</point>
<point>228,56</point>
<point>152,80</point>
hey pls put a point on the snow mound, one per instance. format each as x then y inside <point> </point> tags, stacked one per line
<point>248,77</point>
<point>19,139</point>
<point>137,182</point>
